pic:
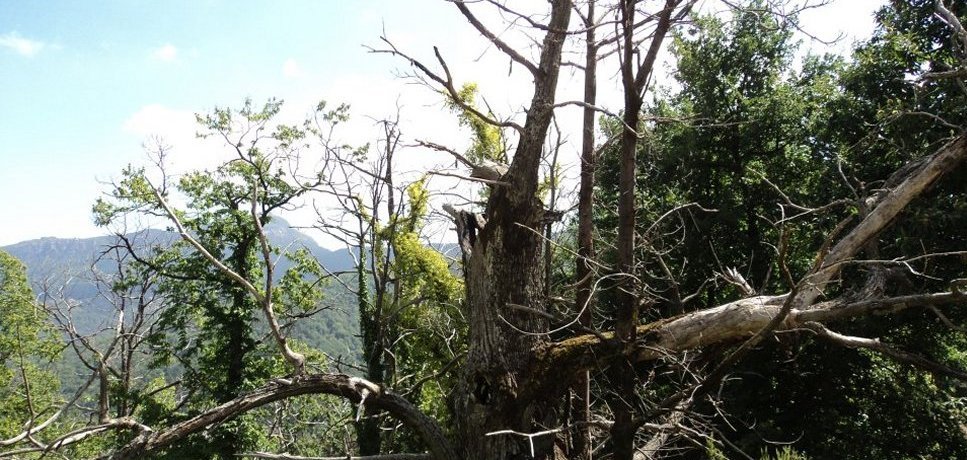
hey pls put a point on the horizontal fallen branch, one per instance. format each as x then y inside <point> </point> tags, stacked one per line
<point>727,323</point>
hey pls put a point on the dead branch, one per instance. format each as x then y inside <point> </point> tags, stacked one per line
<point>447,83</point>
<point>352,388</point>
<point>881,215</point>
<point>500,44</point>
<point>270,456</point>
<point>724,324</point>
<point>887,350</point>
<point>488,172</point>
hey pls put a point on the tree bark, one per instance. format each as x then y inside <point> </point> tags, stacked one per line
<point>503,268</point>
<point>583,302</point>
<point>634,77</point>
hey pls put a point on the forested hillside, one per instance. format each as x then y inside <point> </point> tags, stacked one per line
<point>763,255</point>
<point>71,269</point>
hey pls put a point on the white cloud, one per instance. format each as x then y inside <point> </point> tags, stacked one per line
<point>166,53</point>
<point>291,69</point>
<point>21,45</point>
<point>176,129</point>
<point>158,119</point>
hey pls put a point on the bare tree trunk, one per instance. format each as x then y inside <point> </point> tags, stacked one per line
<point>622,372</point>
<point>635,74</point>
<point>581,389</point>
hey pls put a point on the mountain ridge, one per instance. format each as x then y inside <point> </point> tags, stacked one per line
<point>67,266</point>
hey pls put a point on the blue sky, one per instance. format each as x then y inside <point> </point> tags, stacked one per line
<point>74,75</point>
<point>83,83</point>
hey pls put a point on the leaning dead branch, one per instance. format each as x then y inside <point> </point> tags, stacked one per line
<point>352,388</point>
<point>886,209</point>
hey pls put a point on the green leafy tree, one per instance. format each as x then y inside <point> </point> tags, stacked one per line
<point>657,372</point>
<point>889,112</point>
<point>28,389</point>
<point>214,329</point>
<point>738,126</point>
<point>744,132</point>
<point>713,158</point>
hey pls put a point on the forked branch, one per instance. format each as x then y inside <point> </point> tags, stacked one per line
<point>297,360</point>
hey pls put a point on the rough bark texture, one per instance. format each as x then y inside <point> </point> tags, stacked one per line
<point>503,269</point>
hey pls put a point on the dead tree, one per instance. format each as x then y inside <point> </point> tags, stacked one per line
<point>512,391</point>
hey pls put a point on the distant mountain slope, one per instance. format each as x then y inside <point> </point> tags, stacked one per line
<point>67,266</point>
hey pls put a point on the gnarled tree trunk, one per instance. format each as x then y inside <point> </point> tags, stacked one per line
<point>503,270</point>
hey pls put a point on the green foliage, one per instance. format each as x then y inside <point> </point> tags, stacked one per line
<point>714,452</point>
<point>785,453</point>
<point>741,132</point>
<point>488,141</point>
<point>739,124</point>
<point>302,286</point>
<point>28,389</point>
<point>426,271</point>
<point>408,298</point>
<point>214,332</point>
<point>879,124</point>
<point>743,125</point>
